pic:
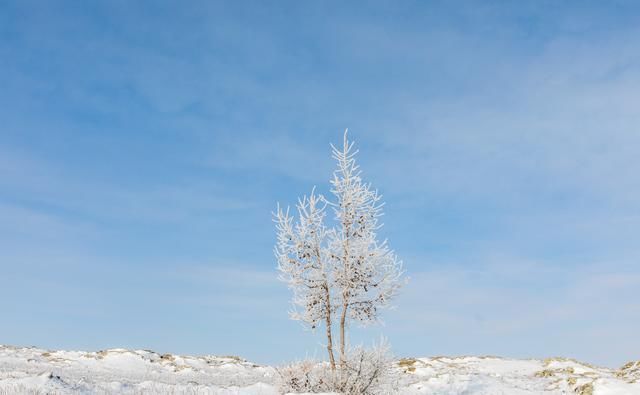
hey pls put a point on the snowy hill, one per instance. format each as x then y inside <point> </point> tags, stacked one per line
<point>119,371</point>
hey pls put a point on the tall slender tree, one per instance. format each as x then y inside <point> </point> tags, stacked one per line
<point>304,264</point>
<point>344,271</point>
<point>366,273</point>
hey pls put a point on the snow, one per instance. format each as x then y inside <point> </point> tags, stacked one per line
<point>119,371</point>
<point>492,375</point>
<point>128,372</point>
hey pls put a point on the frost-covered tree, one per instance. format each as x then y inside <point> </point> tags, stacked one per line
<point>366,273</point>
<point>304,264</point>
<point>344,272</point>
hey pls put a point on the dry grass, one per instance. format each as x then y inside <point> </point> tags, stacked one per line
<point>408,364</point>
<point>585,389</point>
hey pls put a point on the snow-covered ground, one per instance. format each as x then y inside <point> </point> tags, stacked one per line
<point>118,371</point>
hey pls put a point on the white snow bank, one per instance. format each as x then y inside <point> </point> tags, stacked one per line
<point>119,371</point>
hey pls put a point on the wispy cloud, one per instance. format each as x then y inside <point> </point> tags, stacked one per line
<point>509,305</point>
<point>42,182</point>
<point>142,149</point>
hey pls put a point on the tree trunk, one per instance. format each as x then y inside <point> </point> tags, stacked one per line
<point>343,318</point>
<point>332,360</point>
<point>345,296</point>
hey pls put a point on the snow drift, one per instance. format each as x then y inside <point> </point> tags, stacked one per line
<point>119,371</point>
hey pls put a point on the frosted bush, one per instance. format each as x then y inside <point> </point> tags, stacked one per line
<point>366,372</point>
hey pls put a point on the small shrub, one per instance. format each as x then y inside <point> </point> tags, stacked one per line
<point>366,372</point>
<point>305,376</point>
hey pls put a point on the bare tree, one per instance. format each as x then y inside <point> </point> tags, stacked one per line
<point>344,270</point>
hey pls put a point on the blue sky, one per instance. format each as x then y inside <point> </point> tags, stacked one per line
<point>143,146</point>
